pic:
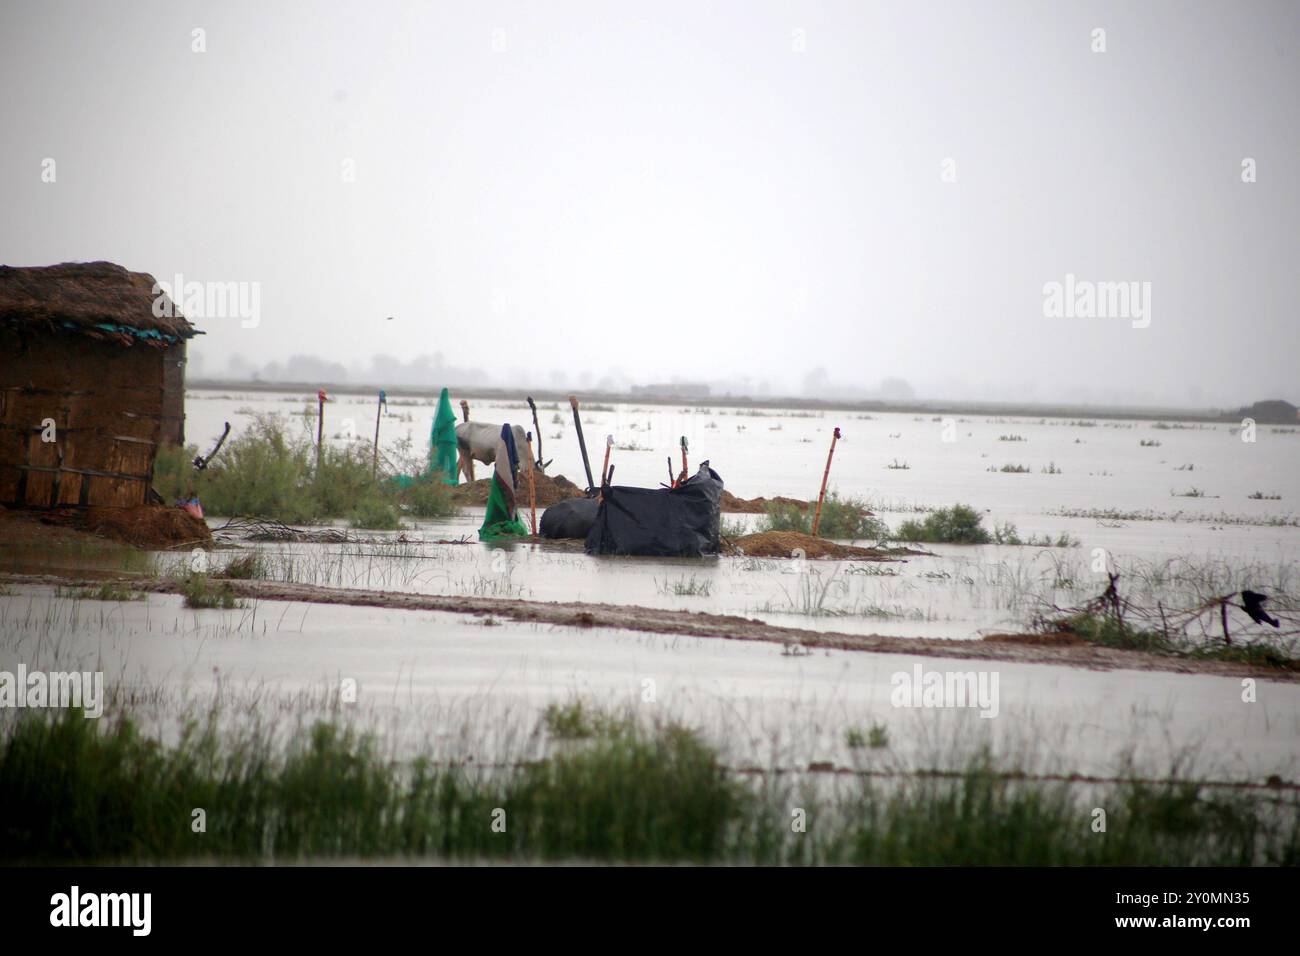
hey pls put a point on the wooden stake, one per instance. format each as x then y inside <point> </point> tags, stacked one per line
<point>582,443</point>
<point>532,489</point>
<point>374,460</point>
<point>604,469</point>
<point>320,425</point>
<point>817,518</point>
<point>467,463</point>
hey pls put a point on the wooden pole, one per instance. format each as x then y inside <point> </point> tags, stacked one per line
<point>533,405</point>
<point>683,474</point>
<point>320,425</point>
<point>374,460</point>
<point>604,469</point>
<point>532,488</point>
<point>582,443</point>
<point>817,518</point>
<point>469,459</point>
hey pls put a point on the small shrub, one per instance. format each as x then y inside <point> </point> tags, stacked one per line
<point>376,515</point>
<point>1006,533</point>
<point>876,737</point>
<point>846,518</point>
<point>960,524</point>
<point>202,593</point>
<point>577,721</point>
<point>427,497</point>
<point>244,568</point>
<point>174,477</point>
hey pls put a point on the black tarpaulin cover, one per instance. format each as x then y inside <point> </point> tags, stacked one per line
<point>660,522</point>
<point>570,518</point>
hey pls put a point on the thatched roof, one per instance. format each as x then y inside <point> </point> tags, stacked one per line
<point>98,298</point>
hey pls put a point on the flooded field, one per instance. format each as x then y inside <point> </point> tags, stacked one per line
<point>1102,465</point>
<point>477,691</point>
<point>825,707</point>
<point>1171,504</point>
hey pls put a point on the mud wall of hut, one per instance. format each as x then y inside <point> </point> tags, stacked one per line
<point>105,401</point>
<point>173,410</point>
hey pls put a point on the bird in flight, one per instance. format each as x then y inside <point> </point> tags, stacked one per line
<point>1252,602</point>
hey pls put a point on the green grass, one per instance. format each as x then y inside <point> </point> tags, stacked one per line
<point>732,527</point>
<point>246,567</point>
<point>107,591</point>
<point>265,472</point>
<point>843,518</point>
<point>960,524</point>
<point>1104,629</point>
<point>578,721</point>
<point>1007,533</point>
<point>202,593</point>
<point>77,790</point>
<point>427,497</point>
<point>875,737</point>
<point>685,587</point>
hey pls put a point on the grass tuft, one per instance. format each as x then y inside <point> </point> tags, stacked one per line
<point>85,791</point>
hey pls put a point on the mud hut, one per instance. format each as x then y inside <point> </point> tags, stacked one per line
<point>92,381</point>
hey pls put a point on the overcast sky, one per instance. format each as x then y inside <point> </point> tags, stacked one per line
<point>701,190</point>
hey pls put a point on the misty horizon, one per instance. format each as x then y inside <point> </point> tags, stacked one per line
<point>431,373</point>
<point>929,200</point>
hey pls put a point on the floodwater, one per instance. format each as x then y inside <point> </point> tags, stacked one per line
<point>1091,480</point>
<point>1101,464</point>
<point>451,680</point>
<point>461,688</point>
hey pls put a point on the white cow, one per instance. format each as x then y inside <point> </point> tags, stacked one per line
<point>477,441</point>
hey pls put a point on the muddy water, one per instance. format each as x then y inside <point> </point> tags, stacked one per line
<point>764,452</point>
<point>1091,480</point>
<point>467,688</point>
<point>474,689</point>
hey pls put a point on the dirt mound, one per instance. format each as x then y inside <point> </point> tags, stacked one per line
<point>155,527</point>
<point>758,506</point>
<point>549,490</point>
<point>785,544</point>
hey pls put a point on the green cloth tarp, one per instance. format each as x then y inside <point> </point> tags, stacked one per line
<point>501,519</point>
<point>442,449</point>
